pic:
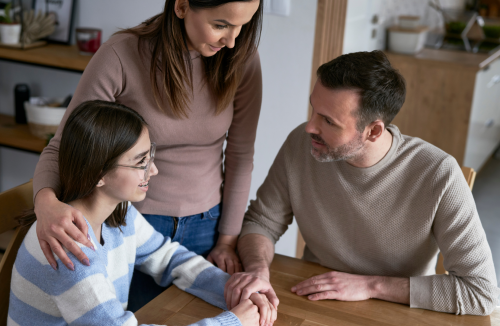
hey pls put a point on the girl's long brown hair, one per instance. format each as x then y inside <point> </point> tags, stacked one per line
<point>165,37</point>
<point>95,135</point>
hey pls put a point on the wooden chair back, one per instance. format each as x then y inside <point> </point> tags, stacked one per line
<point>13,203</point>
<point>470,177</point>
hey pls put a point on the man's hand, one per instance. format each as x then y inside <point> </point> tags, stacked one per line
<point>224,255</point>
<point>336,285</point>
<point>242,285</point>
<point>350,287</point>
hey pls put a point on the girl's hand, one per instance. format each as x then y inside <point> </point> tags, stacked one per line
<point>267,311</point>
<point>247,313</point>
<point>58,225</point>
<point>224,254</point>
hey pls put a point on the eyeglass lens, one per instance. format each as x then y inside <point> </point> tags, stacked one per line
<point>147,169</point>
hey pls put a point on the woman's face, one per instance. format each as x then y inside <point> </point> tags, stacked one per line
<point>125,183</point>
<point>209,30</point>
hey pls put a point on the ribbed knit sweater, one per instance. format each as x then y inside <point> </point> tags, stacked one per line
<point>98,294</point>
<point>189,152</point>
<point>391,219</point>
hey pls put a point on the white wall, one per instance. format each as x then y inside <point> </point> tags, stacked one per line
<point>286,54</point>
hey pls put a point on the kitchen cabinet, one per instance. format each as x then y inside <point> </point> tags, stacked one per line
<point>452,102</point>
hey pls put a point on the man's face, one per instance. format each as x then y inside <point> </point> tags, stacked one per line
<point>332,126</point>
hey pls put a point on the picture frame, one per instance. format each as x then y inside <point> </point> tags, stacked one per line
<point>64,12</point>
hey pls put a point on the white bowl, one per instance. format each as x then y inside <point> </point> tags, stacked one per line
<point>409,22</point>
<point>43,120</point>
<point>407,41</point>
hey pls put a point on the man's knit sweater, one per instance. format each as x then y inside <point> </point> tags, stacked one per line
<point>98,294</point>
<point>391,219</point>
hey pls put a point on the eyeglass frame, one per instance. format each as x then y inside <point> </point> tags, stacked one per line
<point>147,167</point>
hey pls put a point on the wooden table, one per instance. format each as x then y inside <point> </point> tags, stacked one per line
<point>18,136</point>
<point>175,307</point>
<point>65,57</point>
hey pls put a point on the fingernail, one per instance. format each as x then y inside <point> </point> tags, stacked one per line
<point>54,266</point>
<point>71,266</point>
<point>88,236</point>
<point>92,247</point>
<point>86,262</point>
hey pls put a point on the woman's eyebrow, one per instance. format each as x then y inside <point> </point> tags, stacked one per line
<point>224,22</point>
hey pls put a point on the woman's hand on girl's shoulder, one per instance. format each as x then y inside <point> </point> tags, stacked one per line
<point>224,255</point>
<point>58,225</point>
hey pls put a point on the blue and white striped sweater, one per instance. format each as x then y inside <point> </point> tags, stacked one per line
<point>98,295</point>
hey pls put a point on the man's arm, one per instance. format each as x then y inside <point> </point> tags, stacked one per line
<point>257,253</point>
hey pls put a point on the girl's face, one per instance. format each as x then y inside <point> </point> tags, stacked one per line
<point>127,184</point>
<point>209,30</point>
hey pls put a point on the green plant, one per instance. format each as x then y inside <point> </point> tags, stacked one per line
<point>491,31</point>
<point>6,18</point>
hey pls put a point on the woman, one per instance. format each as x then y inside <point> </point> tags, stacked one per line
<point>197,85</point>
<point>105,161</point>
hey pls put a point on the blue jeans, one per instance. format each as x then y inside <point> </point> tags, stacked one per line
<point>198,233</point>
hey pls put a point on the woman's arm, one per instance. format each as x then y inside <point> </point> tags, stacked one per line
<point>238,165</point>
<point>59,223</point>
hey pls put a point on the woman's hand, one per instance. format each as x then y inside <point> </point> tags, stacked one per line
<point>224,254</point>
<point>58,225</point>
<point>267,311</point>
<point>247,313</point>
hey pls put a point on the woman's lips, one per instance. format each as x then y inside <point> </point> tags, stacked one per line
<point>213,48</point>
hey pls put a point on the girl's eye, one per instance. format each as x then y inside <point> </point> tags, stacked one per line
<point>220,26</point>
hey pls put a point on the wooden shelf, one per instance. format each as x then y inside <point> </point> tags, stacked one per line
<point>18,136</point>
<point>66,57</point>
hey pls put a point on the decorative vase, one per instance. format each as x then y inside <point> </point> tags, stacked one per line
<point>10,33</point>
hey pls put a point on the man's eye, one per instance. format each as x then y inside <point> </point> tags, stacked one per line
<point>329,122</point>
<point>220,26</point>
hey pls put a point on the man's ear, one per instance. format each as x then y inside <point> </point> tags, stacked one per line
<point>181,7</point>
<point>375,130</point>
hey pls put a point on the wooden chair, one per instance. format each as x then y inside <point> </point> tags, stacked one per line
<point>13,203</point>
<point>470,177</point>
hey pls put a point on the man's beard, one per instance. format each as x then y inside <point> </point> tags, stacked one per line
<point>340,153</point>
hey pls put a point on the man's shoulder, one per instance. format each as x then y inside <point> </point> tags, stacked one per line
<point>297,137</point>
<point>422,155</point>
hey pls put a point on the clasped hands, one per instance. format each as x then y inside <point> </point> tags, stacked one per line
<point>331,285</point>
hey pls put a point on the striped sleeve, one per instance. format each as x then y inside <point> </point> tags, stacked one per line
<point>168,262</point>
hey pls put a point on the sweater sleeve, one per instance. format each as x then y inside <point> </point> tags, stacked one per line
<point>91,300</point>
<point>271,212</point>
<point>471,286</point>
<point>239,151</point>
<point>169,262</point>
<point>101,80</point>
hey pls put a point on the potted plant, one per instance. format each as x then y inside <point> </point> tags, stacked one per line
<point>10,31</point>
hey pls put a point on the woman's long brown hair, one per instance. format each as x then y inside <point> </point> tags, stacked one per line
<point>165,36</point>
<point>95,135</point>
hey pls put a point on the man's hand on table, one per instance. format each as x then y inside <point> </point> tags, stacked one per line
<point>242,285</point>
<point>351,287</point>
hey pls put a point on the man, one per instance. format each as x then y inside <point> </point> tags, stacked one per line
<point>372,204</point>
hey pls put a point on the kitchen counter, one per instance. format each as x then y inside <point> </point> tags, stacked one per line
<point>479,60</point>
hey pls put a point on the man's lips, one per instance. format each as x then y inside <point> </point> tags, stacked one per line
<point>317,144</point>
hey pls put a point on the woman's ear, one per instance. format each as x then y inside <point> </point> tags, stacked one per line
<point>100,183</point>
<point>181,7</point>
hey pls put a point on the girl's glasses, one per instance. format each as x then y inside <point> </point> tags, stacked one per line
<point>146,168</point>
